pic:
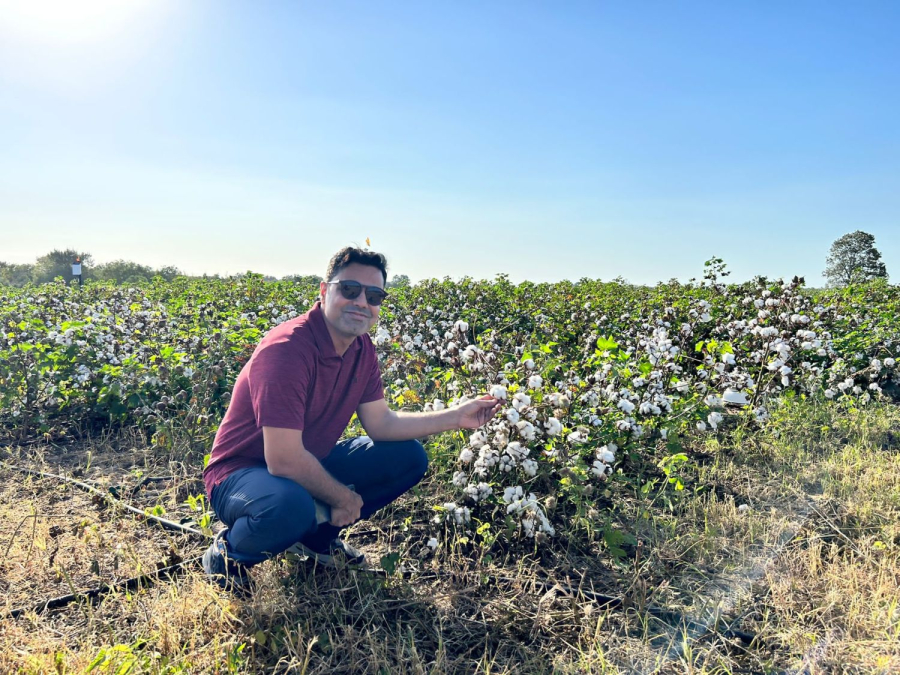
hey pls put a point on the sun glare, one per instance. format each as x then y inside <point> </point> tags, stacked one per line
<point>69,21</point>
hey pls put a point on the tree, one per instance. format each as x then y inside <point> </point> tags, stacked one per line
<point>398,281</point>
<point>122,271</point>
<point>12,274</point>
<point>59,264</point>
<point>854,259</point>
<point>303,279</point>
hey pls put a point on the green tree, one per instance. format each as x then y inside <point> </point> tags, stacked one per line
<point>13,274</point>
<point>854,259</point>
<point>122,271</point>
<point>58,263</point>
<point>311,279</point>
<point>398,280</point>
<point>168,272</point>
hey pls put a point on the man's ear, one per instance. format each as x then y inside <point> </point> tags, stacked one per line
<point>322,287</point>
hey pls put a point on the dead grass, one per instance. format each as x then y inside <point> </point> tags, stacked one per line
<point>812,568</point>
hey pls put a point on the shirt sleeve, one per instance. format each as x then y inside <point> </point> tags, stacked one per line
<point>374,386</point>
<point>279,384</point>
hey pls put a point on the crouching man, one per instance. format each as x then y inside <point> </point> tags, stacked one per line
<point>277,448</point>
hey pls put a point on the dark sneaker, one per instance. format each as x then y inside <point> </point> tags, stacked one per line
<point>220,569</point>
<point>336,554</point>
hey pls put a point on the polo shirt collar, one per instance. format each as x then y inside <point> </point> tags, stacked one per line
<point>323,337</point>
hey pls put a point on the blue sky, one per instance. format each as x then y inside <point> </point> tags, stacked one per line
<point>540,140</point>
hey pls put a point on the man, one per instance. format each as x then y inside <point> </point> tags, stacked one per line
<point>277,448</point>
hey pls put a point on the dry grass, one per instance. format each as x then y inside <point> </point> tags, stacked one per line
<point>812,568</point>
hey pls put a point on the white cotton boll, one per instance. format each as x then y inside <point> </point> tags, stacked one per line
<point>512,415</point>
<point>735,397</point>
<point>713,401</point>
<point>530,467</point>
<point>829,393</point>
<point>606,454</point>
<point>578,436</point>
<point>889,362</point>
<point>728,359</point>
<point>535,382</point>
<point>460,478</point>
<point>432,543</point>
<point>498,391</point>
<point>875,365</point>
<point>682,386</point>
<point>701,426</point>
<point>526,430</point>
<point>438,404</point>
<point>743,508</point>
<point>478,439</point>
<point>599,469</point>
<point>554,426</point>
<point>714,419</point>
<point>529,364</point>
<point>625,406</point>
<point>785,381</point>
<point>874,387</point>
<point>520,400</point>
<point>664,433</point>
<point>466,456</point>
<point>461,326</point>
<point>510,494</point>
<point>786,370</point>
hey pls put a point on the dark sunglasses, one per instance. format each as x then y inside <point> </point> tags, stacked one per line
<point>351,290</point>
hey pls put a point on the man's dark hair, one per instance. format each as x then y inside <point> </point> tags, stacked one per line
<point>351,254</point>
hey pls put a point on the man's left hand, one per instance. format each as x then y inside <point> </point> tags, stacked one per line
<point>478,412</point>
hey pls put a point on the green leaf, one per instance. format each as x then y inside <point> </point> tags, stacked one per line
<point>607,344</point>
<point>389,562</point>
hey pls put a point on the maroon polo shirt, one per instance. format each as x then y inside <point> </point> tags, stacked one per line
<point>294,380</point>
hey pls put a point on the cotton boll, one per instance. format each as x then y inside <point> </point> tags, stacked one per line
<point>607,455</point>
<point>625,406</point>
<point>554,426</point>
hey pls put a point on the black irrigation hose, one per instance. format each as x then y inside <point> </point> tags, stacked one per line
<point>110,496</point>
<point>670,617</point>
<point>128,585</point>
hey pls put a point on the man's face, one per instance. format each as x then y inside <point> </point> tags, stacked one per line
<point>350,318</point>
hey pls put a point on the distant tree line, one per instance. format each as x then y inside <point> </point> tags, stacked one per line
<point>58,263</point>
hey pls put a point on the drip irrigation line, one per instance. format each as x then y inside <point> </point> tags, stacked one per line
<point>110,496</point>
<point>94,593</point>
<point>670,617</point>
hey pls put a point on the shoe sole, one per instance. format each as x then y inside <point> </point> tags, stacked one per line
<point>324,558</point>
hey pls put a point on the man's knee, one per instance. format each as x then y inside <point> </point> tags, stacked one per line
<point>292,508</point>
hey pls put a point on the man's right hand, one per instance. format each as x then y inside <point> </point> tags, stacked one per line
<point>347,511</point>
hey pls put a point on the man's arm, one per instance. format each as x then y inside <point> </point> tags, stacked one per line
<point>383,424</point>
<point>285,456</point>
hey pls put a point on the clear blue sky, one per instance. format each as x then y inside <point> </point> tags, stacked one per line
<point>542,140</point>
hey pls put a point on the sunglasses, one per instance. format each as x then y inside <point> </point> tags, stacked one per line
<point>351,290</point>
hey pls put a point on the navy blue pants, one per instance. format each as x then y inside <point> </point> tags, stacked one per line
<point>267,514</point>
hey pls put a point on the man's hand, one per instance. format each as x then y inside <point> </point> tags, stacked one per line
<point>478,412</point>
<point>347,511</point>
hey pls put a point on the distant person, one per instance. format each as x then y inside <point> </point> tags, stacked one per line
<point>277,448</point>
